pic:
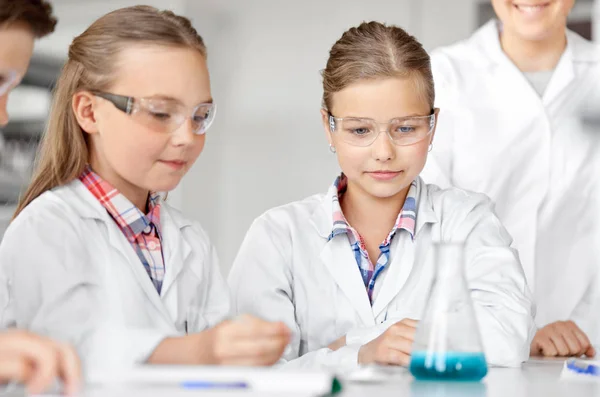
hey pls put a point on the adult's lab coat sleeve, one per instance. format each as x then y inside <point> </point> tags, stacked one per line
<point>261,283</point>
<point>439,166</point>
<point>502,301</point>
<point>53,291</point>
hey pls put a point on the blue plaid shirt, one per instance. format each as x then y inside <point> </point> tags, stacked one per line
<point>406,220</point>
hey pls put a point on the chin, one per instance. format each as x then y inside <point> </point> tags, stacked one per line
<point>166,185</point>
<point>535,32</point>
<point>383,191</point>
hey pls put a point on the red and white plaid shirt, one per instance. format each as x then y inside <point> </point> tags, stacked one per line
<point>142,231</point>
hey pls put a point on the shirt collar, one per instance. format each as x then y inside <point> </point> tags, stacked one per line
<point>406,219</point>
<point>127,216</point>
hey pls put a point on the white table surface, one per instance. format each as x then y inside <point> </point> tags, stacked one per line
<point>541,378</point>
<point>538,378</point>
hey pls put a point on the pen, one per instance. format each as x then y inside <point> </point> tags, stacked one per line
<point>583,368</point>
<point>213,385</point>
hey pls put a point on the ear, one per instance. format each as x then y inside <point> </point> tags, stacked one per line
<point>436,111</point>
<point>325,120</point>
<point>83,105</point>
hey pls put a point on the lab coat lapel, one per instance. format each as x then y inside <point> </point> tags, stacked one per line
<point>176,249</point>
<point>119,243</point>
<point>338,258</point>
<point>88,207</point>
<point>409,253</point>
<point>563,76</point>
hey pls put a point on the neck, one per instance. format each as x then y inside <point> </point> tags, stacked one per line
<point>135,194</point>
<point>534,55</point>
<point>370,214</point>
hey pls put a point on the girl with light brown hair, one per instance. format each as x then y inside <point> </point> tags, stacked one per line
<point>347,270</point>
<point>94,255</point>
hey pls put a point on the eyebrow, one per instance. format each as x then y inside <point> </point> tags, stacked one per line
<point>393,118</point>
<point>432,111</point>
<point>170,98</point>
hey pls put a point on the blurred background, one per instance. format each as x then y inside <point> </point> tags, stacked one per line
<point>267,146</point>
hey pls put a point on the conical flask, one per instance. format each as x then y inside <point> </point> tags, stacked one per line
<point>447,343</point>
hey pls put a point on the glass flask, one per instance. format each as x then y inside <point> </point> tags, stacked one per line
<point>447,343</point>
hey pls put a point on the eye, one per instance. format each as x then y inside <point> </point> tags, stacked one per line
<point>360,131</point>
<point>405,129</point>
<point>160,115</point>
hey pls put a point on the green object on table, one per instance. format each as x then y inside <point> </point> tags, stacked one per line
<point>336,387</point>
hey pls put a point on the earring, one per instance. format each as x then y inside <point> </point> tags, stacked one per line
<point>430,147</point>
<point>332,149</point>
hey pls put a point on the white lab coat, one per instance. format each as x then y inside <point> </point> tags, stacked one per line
<point>286,270</point>
<point>537,158</point>
<point>67,271</point>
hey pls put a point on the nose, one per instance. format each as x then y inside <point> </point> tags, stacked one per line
<point>184,135</point>
<point>383,148</point>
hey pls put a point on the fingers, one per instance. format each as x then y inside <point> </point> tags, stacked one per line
<point>338,343</point>
<point>37,361</point>
<point>410,322</point>
<point>69,369</point>
<point>252,326</point>
<point>258,347</point>
<point>15,368</point>
<point>399,343</point>
<point>584,341</point>
<point>562,338</point>
<point>590,352</point>
<point>39,351</point>
<point>544,346</point>
<point>561,346</point>
<point>393,357</point>
<point>403,329</point>
<point>250,341</point>
<point>393,350</point>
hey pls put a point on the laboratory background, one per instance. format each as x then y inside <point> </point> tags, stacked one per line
<point>267,146</point>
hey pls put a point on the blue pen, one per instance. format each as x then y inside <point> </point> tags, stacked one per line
<point>214,385</point>
<point>582,367</point>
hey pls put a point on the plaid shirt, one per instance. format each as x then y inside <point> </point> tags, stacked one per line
<point>406,220</point>
<point>142,231</point>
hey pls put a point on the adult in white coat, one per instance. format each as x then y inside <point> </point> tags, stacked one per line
<point>347,270</point>
<point>520,124</point>
<point>95,257</point>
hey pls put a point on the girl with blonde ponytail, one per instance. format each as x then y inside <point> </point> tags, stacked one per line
<point>94,256</point>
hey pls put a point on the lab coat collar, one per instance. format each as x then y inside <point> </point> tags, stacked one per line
<point>322,218</point>
<point>87,206</point>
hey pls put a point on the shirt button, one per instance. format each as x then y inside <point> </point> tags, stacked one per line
<point>151,245</point>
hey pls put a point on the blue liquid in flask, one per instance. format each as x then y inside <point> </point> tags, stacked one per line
<point>448,366</point>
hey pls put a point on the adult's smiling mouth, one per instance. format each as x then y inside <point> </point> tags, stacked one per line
<point>531,9</point>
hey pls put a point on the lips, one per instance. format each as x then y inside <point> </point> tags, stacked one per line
<point>175,164</point>
<point>531,9</point>
<point>384,174</point>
